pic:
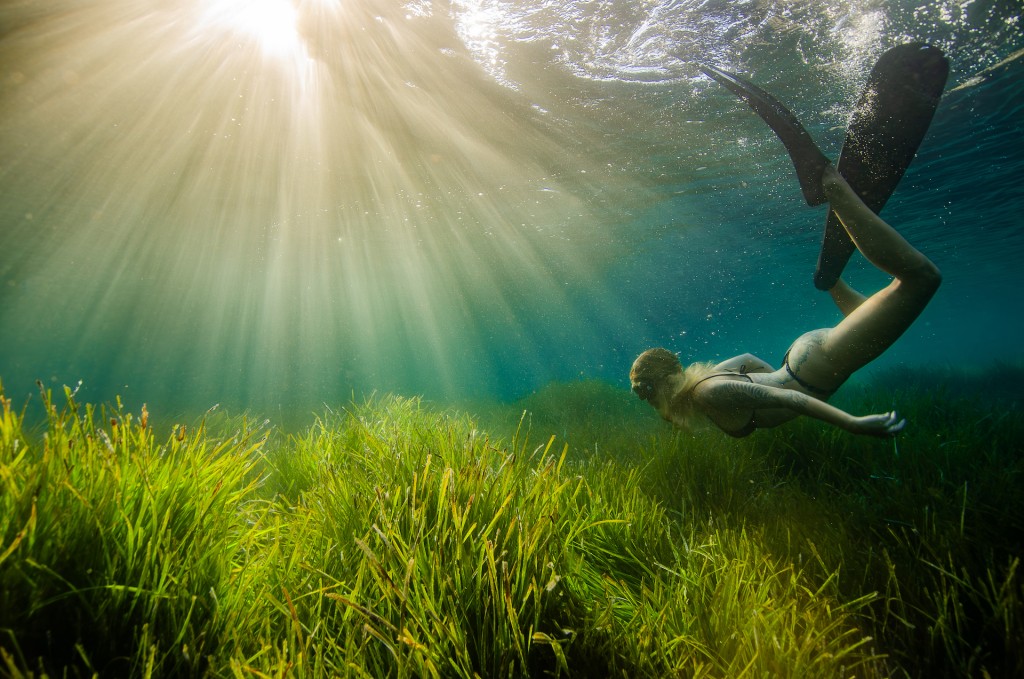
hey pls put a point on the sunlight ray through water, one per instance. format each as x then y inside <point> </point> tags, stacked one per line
<point>285,195</point>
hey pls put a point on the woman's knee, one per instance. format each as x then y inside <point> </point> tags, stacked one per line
<point>924,278</point>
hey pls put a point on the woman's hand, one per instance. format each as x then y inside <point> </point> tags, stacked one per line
<point>886,424</point>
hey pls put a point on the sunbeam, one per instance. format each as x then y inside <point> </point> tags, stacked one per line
<point>261,201</point>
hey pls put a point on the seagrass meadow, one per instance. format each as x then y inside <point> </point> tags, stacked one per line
<point>566,535</point>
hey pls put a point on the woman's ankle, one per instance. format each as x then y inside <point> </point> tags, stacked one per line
<point>833,183</point>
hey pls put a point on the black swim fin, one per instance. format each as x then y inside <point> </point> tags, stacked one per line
<point>889,123</point>
<point>810,162</point>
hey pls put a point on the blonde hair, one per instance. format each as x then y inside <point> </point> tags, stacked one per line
<point>682,406</point>
<point>655,365</point>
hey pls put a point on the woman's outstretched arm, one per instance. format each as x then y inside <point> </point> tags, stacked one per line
<point>725,395</point>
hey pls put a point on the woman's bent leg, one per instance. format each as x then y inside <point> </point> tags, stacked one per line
<point>872,326</point>
<point>881,244</point>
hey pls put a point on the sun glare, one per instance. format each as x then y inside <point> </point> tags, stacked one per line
<point>273,23</point>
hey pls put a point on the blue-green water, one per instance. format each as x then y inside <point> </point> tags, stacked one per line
<point>272,205</point>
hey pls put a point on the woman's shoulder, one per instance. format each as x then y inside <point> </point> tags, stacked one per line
<point>745,363</point>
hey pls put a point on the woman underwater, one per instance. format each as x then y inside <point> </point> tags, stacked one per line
<point>745,393</point>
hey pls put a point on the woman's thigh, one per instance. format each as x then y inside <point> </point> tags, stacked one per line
<point>874,326</point>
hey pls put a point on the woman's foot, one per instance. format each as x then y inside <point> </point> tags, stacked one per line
<point>832,182</point>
